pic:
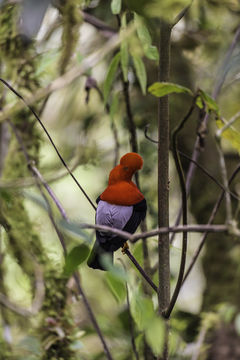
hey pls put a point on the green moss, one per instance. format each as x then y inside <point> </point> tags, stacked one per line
<point>58,317</point>
<point>23,241</point>
<point>71,20</point>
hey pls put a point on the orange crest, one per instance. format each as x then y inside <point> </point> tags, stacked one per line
<point>121,190</point>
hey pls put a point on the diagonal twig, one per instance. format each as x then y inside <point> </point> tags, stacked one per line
<point>50,139</point>
<point>180,172</point>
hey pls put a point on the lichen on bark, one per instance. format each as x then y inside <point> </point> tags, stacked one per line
<point>71,20</point>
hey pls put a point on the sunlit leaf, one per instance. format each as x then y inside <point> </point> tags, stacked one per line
<point>117,286</point>
<point>155,333</point>
<point>75,258</point>
<point>141,72</point>
<point>160,89</point>
<point>116,6</point>
<point>110,76</point>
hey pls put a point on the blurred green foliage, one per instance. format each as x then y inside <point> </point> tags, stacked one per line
<point>90,127</point>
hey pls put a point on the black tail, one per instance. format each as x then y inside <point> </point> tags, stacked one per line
<point>96,257</point>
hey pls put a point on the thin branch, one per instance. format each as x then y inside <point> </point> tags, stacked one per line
<point>202,168</point>
<point>228,124</point>
<point>181,14</point>
<point>140,269</point>
<point>225,68</point>
<point>28,182</point>
<point>210,221</point>
<point>163,230</point>
<point>49,190</point>
<point>50,139</point>
<point>107,30</point>
<point>217,88</point>
<point>222,163</point>
<point>184,209</point>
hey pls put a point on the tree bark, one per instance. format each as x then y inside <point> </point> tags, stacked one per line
<point>163,176</point>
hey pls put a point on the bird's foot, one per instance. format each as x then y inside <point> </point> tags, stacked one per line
<point>125,247</point>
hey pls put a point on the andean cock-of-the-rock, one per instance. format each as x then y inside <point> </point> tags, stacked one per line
<point>121,206</point>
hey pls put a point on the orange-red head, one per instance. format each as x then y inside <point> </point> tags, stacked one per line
<point>121,190</point>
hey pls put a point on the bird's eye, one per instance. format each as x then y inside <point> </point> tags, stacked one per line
<point>125,168</point>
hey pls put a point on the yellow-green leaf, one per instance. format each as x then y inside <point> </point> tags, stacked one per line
<point>231,134</point>
<point>117,286</point>
<point>205,100</point>
<point>155,334</point>
<point>142,30</point>
<point>142,310</point>
<point>144,36</point>
<point>160,89</point>
<point>76,256</point>
<point>116,6</point>
<point>114,105</point>
<point>110,76</point>
<point>141,72</point>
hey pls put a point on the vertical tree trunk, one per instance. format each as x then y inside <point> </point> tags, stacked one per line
<point>163,175</point>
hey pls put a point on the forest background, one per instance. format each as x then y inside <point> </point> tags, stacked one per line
<point>99,77</point>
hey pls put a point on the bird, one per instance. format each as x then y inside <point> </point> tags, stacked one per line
<point>121,206</point>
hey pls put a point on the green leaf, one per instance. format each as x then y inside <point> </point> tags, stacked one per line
<point>144,36</point>
<point>76,230</point>
<point>76,257</point>
<point>141,72</point>
<point>208,101</point>
<point>142,30</point>
<point>160,89</point>
<point>114,105</point>
<point>142,310</point>
<point>117,286</point>
<point>30,344</point>
<point>110,76</point>
<point>124,59</point>
<point>117,271</point>
<point>155,334</point>
<point>124,48</point>
<point>138,252</point>
<point>116,6</point>
<point>151,52</point>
